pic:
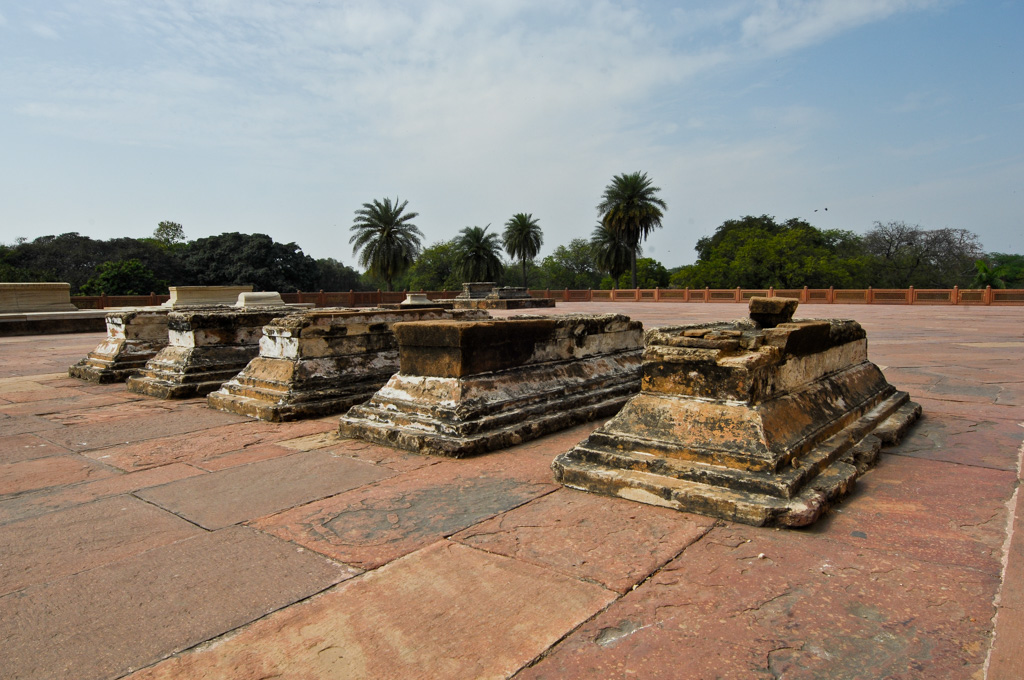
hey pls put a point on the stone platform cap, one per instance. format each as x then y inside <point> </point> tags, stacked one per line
<point>761,426</point>
<point>465,388</point>
<point>321,362</point>
<point>479,289</point>
<point>770,312</point>
<point>35,297</point>
<point>134,336</point>
<point>267,299</point>
<point>188,296</point>
<point>205,348</point>
<point>509,293</point>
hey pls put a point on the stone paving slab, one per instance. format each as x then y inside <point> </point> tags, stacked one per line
<point>939,516</point>
<point>373,525</point>
<point>132,422</point>
<point>12,425</point>
<point>201,445</point>
<point>963,440</point>
<point>250,454</point>
<point>110,620</point>
<point>247,492</point>
<point>1007,657</point>
<point>806,609</point>
<point>39,473</point>
<point>28,446</point>
<point>35,503</point>
<point>47,407</point>
<point>62,543</point>
<point>427,620</point>
<point>610,541</point>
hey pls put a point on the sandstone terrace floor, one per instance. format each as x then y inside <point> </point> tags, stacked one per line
<point>157,539</point>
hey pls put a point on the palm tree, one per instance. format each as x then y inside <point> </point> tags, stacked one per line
<point>611,252</point>
<point>987,276</point>
<point>522,239</point>
<point>388,240</point>
<point>631,207</point>
<point>478,255</point>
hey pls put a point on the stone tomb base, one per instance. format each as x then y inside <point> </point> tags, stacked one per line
<point>134,336</point>
<point>761,426</point>
<point>485,295</point>
<point>469,387</point>
<point>321,362</point>
<point>205,348</point>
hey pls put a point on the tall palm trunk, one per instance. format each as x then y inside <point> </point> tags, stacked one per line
<point>632,267</point>
<point>525,285</point>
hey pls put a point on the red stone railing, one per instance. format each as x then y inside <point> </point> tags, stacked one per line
<point>846,296</point>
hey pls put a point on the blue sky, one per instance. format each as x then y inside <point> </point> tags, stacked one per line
<point>283,117</point>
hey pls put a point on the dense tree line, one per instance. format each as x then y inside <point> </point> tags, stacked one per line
<point>749,252</point>
<point>127,266</point>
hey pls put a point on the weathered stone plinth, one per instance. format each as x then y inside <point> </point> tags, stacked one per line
<point>321,362</point>
<point>35,297</point>
<point>468,387</point>
<point>758,425</point>
<point>205,349</point>
<point>189,296</point>
<point>134,336</point>
<point>487,296</point>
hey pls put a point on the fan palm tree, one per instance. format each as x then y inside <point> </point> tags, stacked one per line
<point>389,242</point>
<point>611,252</point>
<point>522,239</point>
<point>631,207</point>
<point>478,255</point>
<point>987,276</point>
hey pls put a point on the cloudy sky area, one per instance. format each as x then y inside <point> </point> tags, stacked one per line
<point>283,117</point>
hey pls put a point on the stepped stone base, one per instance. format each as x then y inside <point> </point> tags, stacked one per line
<point>503,303</point>
<point>765,426</point>
<point>134,336</point>
<point>205,349</point>
<point>321,362</point>
<point>465,388</point>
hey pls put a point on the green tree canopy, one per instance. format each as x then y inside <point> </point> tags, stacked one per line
<point>571,266</point>
<point>630,206</point>
<point>436,268</point>
<point>478,253</point>
<point>522,239</point>
<point>332,275</point>
<point>169,233</point>
<point>124,277</point>
<point>612,253</point>
<point>649,274</point>
<point>239,259</point>
<point>758,252</point>
<point>385,238</point>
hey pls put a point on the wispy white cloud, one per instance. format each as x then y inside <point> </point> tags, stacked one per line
<point>44,31</point>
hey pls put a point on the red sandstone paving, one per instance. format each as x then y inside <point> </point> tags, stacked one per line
<point>62,543</point>
<point>610,541</point>
<point>804,610</point>
<point>952,517</point>
<point>427,620</point>
<point>202,443</point>
<point>373,525</point>
<point>247,492</point>
<point>58,406</point>
<point>36,503</point>
<point>393,459</point>
<point>250,454</point>
<point>1008,648</point>
<point>917,347</point>
<point>27,446</point>
<point>91,625</point>
<point>966,441</point>
<point>40,473</point>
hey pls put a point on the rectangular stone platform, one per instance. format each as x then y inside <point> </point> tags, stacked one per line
<point>321,362</point>
<point>761,425</point>
<point>465,388</point>
<point>134,336</point>
<point>35,297</point>
<point>206,348</point>
<point>189,296</point>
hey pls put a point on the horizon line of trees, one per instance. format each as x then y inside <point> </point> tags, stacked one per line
<point>749,252</point>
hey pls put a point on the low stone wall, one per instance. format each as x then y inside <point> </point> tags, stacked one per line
<point>35,297</point>
<point>747,423</point>
<point>321,362</point>
<point>188,296</point>
<point>464,388</point>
